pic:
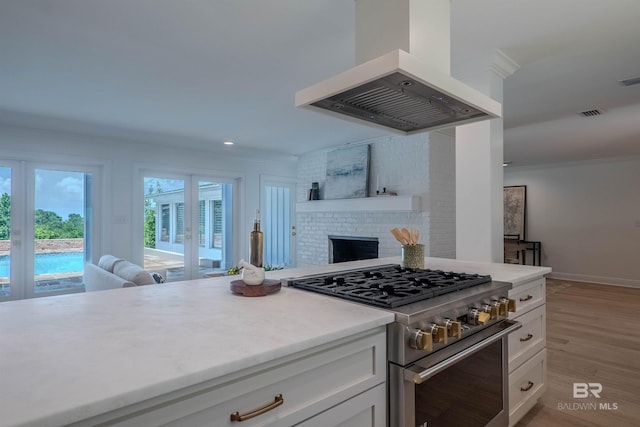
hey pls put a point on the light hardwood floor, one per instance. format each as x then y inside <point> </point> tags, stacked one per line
<point>593,336</point>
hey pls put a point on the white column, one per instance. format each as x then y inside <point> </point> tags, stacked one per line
<point>479,157</point>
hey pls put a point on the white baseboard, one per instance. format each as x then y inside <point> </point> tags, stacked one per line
<point>616,281</point>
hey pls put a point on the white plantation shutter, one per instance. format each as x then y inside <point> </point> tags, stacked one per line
<point>201,223</point>
<point>165,232</point>
<point>217,223</point>
<point>179,222</point>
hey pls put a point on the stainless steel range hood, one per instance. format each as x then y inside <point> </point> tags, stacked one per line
<point>400,92</point>
<point>403,79</point>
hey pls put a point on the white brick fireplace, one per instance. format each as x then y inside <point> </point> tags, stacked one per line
<point>420,165</point>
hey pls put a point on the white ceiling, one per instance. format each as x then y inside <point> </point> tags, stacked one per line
<point>199,72</point>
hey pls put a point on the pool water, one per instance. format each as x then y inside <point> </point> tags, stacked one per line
<point>50,263</point>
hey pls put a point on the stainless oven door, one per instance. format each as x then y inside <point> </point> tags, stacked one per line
<point>464,384</point>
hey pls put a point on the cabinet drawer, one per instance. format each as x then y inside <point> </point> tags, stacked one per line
<point>528,340</point>
<point>527,296</point>
<point>308,385</point>
<point>365,410</point>
<point>526,385</point>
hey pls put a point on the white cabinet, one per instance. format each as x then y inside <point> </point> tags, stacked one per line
<point>526,385</point>
<point>527,348</point>
<point>341,383</point>
<point>527,296</point>
<point>530,339</point>
<point>365,410</point>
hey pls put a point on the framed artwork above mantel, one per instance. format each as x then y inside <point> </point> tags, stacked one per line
<point>347,173</point>
<point>515,208</point>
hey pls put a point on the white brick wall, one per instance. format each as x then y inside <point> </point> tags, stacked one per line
<point>442,195</point>
<point>403,165</point>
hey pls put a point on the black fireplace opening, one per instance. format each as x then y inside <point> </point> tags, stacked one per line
<point>351,248</point>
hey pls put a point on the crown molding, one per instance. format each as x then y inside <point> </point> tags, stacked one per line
<point>503,65</point>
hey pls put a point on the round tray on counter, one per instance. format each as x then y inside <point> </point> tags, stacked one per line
<point>267,287</point>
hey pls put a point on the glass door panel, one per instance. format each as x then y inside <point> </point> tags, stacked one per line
<point>165,226</point>
<point>214,225</point>
<point>60,223</point>
<point>46,227</point>
<point>187,225</point>
<point>5,232</point>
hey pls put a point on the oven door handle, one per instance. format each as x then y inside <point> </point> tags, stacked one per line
<point>420,377</point>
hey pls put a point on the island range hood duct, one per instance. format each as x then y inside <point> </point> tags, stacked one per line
<point>398,90</point>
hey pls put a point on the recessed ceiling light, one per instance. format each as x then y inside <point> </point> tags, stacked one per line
<point>228,143</point>
<point>505,164</point>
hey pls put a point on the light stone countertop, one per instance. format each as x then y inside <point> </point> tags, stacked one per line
<point>71,357</point>
<point>512,273</point>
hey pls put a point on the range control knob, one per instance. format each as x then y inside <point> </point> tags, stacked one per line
<point>477,317</point>
<point>511,304</point>
<point>454,328</point>
<point>502,307</point>
<point>491,309</point>
<point>438,332</point>
<point>421,340</point>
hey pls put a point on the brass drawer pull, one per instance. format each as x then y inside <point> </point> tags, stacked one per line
<point>236,416</point>
<point>527,387</point>
<point>527,338</point>
<point>527,298</point>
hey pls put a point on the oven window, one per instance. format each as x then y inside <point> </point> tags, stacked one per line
<point>468,393</point>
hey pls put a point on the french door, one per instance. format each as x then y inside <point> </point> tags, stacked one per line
<point>10,239</point>
<point>278,221</point>
<point>187,225</point>
<point>47,227</point>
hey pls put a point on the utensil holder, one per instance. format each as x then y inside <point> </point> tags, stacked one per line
<point>413,256</point>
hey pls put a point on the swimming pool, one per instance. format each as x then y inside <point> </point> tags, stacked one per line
<point>50,263</point>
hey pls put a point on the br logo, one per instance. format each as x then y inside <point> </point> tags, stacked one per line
<point>584,390</point>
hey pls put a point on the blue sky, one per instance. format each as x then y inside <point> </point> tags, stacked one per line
<point>5,180</point>
<point>59,191</point>
<point>165,184</point>
<point>63,192</point>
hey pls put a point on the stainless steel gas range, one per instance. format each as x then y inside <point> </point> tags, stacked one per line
<point>447,348</point>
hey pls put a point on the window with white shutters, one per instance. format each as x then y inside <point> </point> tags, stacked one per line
<point>179,223</point>
<point>217,223</point>
<point>201,224</point>
<point>166,222</point>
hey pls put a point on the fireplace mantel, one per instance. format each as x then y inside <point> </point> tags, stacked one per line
<point>370,204</point>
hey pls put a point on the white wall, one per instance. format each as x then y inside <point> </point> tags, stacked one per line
<point>120,158</point>
<point>587,216</point>
<point>421,164</point>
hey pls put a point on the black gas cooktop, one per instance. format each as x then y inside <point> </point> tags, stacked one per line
<point>388,286</point>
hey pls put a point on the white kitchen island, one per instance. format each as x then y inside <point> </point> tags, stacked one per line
<point>192,353</point>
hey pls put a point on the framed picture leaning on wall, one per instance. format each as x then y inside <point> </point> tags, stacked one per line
<point>515,207</point>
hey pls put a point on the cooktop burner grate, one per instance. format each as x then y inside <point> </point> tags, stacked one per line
<point>389,286</point>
